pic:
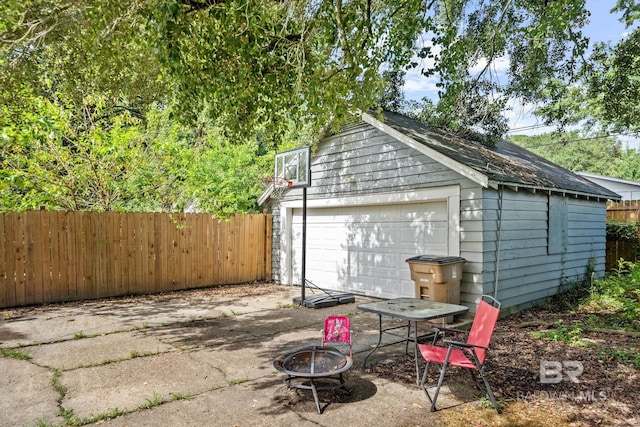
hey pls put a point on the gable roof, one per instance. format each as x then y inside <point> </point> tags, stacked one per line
<point>507,164</point>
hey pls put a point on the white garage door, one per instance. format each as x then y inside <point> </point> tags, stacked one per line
<point>363,249</point>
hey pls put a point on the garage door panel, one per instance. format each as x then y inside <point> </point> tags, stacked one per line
<point>363,249</point>
<point>373,259</point>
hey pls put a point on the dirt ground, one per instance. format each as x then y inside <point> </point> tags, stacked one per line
<point>607,394</point>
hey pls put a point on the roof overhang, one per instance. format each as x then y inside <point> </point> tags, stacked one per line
<point>262,199</point>
<point>544,190</point>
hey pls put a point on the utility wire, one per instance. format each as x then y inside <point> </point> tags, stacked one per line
<point>530,127</point>
<point>576,140</point>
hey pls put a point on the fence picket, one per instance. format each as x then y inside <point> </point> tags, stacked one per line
<point>73,254</point>
<point>31,226</point>
<point>4,281</point>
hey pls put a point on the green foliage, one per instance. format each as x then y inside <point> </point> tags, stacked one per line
<point>52,159</point>
<point>618,295</point>
<point>575,152</point>
<point>14,354</point>
<point>563,333</point>
<point>610,303</point>
<point>178,104</point>
<point>607,88</point>
<point>625,356</point>
<point>627,231</point>
<point>256,65</point>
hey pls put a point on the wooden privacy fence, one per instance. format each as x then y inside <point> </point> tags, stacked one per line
<point>69,256</point>
<point>624,211</point>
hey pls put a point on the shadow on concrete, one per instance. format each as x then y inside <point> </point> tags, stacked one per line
<point>357,389</point>
<point>7,335</point>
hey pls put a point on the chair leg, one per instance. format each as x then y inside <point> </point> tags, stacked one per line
<point>488,387</point>
<point>435,393</point>
<point>441,379</point>
<point>406,342</point>
<point>424,380</point>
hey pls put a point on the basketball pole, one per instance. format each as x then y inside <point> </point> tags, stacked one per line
<point>304,244</point>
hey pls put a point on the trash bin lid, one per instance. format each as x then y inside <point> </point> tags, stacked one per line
<point>433,259</point>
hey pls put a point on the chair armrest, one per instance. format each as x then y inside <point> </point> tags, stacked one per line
<point>443,329</point>
<point>463,344</point>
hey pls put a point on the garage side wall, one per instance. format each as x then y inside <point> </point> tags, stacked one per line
<point>538,243</point>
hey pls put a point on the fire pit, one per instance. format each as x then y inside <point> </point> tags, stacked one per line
<point>314,368</point>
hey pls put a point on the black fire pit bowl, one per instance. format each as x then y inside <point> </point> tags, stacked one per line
<point>314,368</point>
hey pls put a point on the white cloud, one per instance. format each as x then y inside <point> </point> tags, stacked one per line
<point>498,67</point>
<point>417,86</point>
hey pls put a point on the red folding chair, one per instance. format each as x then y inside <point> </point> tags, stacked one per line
<point>337,330</point>
<point>470,354</point>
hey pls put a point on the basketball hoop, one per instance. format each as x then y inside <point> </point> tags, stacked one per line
<point>278,185</point>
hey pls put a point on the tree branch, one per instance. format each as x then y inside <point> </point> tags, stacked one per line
<point>343,35</point>
<point>493,41</point>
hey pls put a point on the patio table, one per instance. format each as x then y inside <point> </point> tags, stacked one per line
<point>413,310</point>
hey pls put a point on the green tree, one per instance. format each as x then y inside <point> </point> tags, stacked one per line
<point>157,104</point>
<point>257,64</point>
<point>577,153</point>
<point>606,93</point>
<point>103,163</point>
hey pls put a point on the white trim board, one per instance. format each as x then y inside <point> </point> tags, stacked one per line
<point>449,193</point>
<point>411,196</point>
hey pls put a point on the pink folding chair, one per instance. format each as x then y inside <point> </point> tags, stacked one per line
<point>337,330</point>
<point>470,354</point>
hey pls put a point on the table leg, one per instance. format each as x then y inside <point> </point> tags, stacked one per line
<point>364,364</point>
<point>415,352</point>
<point>406,344</point>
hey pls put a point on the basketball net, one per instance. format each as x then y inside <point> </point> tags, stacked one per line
<point>278,185</point>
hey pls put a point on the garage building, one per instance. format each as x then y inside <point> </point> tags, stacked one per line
<point>389,188</point>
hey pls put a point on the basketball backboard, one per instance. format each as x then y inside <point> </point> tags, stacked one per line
<point>294,167</point>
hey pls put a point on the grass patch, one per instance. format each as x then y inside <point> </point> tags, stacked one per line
<point>571,335</point>
<point>239,381</point>
<point>625,356</point>
<point>617,297</point>
<point>12,353</point>
<point>81,335</point>
<point>180,396</point>
<point>155,400</point>
<point>43,422</point>
<point>110,414</point>
<point>610,304</point>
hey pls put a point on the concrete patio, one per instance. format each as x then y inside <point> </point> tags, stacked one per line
<point>188,361</point>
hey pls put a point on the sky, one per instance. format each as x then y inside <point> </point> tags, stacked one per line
<point>603,26</point>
